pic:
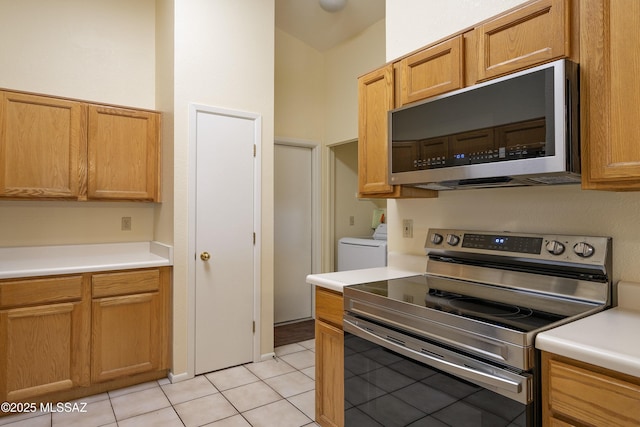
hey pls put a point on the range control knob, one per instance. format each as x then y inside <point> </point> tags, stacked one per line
<point>554,247</point>
<point>436,238</point>
<point>583,249</point>
<point>452,239</point>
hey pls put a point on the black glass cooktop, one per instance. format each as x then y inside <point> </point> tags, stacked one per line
<point>433,293</point>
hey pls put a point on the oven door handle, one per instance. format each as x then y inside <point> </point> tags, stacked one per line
<point>465,372</point>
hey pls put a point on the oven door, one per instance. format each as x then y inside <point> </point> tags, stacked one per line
<point>393,379</point>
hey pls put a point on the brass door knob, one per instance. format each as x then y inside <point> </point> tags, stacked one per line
<point>205,256</point>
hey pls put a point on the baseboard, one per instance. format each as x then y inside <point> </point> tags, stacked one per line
<point>176,378</point>
<point>267,356</point>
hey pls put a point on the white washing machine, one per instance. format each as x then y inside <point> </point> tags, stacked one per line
<point>363,252</point>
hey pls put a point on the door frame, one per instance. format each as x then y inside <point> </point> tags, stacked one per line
<point>330,235</point>
<point>194,109</point>
<point>316,204</point>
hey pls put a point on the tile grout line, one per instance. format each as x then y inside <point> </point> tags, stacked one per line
<point>171,403</point>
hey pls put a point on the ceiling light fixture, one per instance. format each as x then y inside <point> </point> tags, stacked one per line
<point>333,5</point>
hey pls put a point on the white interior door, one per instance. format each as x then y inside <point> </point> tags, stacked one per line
<point>292,232</point>
<point>224,229</point>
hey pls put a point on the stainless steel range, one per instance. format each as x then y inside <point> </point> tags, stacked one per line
<point>455,346</point>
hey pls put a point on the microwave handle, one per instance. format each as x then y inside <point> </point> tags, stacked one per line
<point>444,365</point>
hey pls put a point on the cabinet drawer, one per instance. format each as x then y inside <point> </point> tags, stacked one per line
<point>592,397</point>
<point>329,306</point>
<point>124,283</point>
<point>16,293</point>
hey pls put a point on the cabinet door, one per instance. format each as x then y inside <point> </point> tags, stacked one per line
<point>588,395</point>
<point>123,154</point>
<point>533,34</point>
<point>126,336</point>
<point>433,71</point>
<point>329,375</point>
<point>44,350</point>
<point>610,94</point>
<point>375,100</point>
<point>42,146</point>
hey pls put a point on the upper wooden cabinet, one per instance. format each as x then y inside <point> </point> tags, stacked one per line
<point>42,142</point>
<point>375,98</point>
<point>610,94</point>
<point>123,154</point>
<point>432,71</point>
<point>53,148</point>
<point>536,33</point>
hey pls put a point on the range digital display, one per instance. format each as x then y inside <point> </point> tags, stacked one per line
<point>506,243</point>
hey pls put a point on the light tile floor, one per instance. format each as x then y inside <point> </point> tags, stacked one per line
<point>276,393</point>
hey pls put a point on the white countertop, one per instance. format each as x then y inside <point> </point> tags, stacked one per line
<point>607,339</point>
<point>30,261</point>
<point>400,265</point>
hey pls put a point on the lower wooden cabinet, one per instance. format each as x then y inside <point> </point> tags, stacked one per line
<point>59,343</point>
<point>44,336</point>
<point>579,394</point>
<point>329,359</point>
<point>129,332</point>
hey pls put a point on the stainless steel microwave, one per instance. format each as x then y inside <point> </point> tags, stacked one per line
<point>521,129</point>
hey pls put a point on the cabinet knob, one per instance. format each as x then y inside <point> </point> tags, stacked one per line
<point>205,256</point>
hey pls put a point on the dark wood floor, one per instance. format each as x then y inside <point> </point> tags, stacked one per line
<point>294,332</point>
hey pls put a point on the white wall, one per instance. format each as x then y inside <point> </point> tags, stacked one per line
<point>561,209</point>
<point>103,51</point>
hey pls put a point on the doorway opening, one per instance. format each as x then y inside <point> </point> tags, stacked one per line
<point>296,229</point>
<point>350,216</point>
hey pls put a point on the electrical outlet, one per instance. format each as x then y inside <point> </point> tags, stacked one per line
<point>407,228</point>
<point>126,223</point>
<point>352,220</point>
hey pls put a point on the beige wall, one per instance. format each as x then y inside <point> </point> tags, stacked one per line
<point>101,51</point>
<point>560,209</point>
<point>224,57</point>
<point>347,203</point>
<point>412,24</point>
<point>216,53</point>
<point>344,64</point>
<point>316,99</point>
<point>164,75</point>
<point>299,81</point>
